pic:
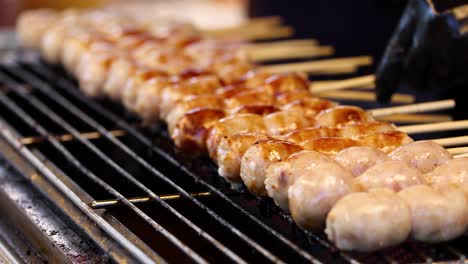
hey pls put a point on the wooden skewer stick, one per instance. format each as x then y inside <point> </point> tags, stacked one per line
<point>357,82</point>
<point>415,118</point>
<point>460,12</point>
<point>320,65</point>
<point>452,141</point>
<point>367,87</point>
<point>414,108</point>
<point>364,96</point>
<point>290,53</point>
<point>458,151</point>
<point>426,128</point>
<point>282,44</point>
<point>273,33</point>
<point>341,69</point>
<point>255,33</point>
<point>264,21</point>
<point>250,25</point>
<point>461,156</point>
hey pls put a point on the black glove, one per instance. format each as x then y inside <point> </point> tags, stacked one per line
<point>428,51</point>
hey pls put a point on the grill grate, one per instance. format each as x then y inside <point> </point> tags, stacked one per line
<point>78,135</point>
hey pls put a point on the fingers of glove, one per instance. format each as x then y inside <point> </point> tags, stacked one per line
<point>461,61</point>
<point>390,71</point>
<point>442,44</point>
<point>388,75</point>
<point>417,61</point>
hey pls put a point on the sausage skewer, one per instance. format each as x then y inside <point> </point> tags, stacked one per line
<point>312,175</point>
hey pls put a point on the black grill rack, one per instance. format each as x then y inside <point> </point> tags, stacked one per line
<point>175,205</point>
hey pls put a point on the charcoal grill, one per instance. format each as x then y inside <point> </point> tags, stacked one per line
<point>84,181</point>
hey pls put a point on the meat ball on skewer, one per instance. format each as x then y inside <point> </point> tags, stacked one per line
<point>329,145</point>
<point>51,43</point>
<point>349,153</point>
<point>438,213</point>
<point>356,131</point>
<point>74,48</point>
<point>281,175</point>
<point>71,23</point>
<point>230,151</point>
<point>188,104</point>
<point>343,115</point>
<point>93,68</point>
<point>258,157</point>
<point>359,159</point>
<point>136,81</point>
<point>191,130</point>
<point>120,71</point>
<point>252,78</point>
<point>256,109</point>
<point>31,26</point>
<point>288,81</point>
<point>315,191</point>
<point>148,99</point>
<point>386,141</point>
<point>369,221</point>
<point>304,134</point>
<point>231,125</point>
<point>249,97</point>
<point>204,84</point>
<point>287,120</point>
<point>391,174</point>
<point>275,123</point>
<point>454,171</point>
<point>261,155</point>
<point>229,71</point>
<point>424,155</point>
<point>311,105</point>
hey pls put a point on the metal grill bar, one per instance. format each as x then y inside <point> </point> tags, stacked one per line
<point>69,88</point>
<point>70,157</point>
<point>15,142</point>
<point>69,106</point>
<point>104,157</point>
<point>109,203</point>
<point>344,255</point>
<point>68,137</point>
<point>66,86</point>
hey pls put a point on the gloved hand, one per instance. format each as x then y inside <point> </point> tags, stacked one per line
<point>428,51</point>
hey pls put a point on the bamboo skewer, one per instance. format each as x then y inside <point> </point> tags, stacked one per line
<point>458,151</point>
<point>263,21</point>
<point>250,26</point>
<point>273,33</point>
<point>452,141</point>
<point>252,33</point>
<point>415,118</point>
<point>295,52</point>
<point>437,127</point>
<point>367,87</point>
<point>358,82</point>
<point>137,200</point>
<point>414,108</point>
<point>366,96</point>
<point>282,44</point>
<point>461,156</point>
<point>460,12</point>
<point>320,66</point>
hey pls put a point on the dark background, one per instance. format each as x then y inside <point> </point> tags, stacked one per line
<point>360,27</point>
